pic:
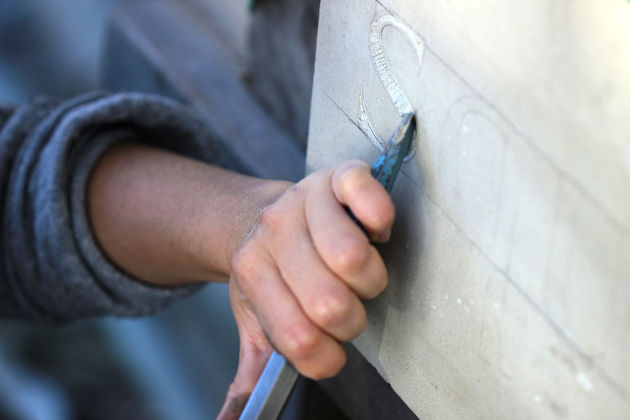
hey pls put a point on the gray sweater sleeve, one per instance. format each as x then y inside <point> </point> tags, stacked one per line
<point>51,267</point>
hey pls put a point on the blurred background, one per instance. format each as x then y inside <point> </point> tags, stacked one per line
<point>176,365</point>
<point>51,47</point>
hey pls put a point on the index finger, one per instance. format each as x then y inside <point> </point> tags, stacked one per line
<point>354,187</point>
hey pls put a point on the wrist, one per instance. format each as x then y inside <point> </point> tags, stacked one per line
<point>169,220</point>
<point>226,225</point>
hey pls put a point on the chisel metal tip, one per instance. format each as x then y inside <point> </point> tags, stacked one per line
<point>387,166</point>
<point>405,130</point>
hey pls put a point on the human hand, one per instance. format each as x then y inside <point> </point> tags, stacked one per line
<point>297,280</point>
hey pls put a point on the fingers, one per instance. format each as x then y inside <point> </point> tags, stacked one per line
<point>312,352</point>
<point>324,297</point>
<point>354,186</point>
<point>339,241</point>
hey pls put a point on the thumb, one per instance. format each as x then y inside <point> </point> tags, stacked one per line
<point>253,355</point>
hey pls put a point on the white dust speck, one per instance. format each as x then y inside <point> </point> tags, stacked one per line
<point>584,381</point>
<point>495,306</point>
<point>445,297</point>
<point>537,398</point>
<point>459,301</point>
<point>465,128</point>
<point>433,307</point>
<point>466,309</point>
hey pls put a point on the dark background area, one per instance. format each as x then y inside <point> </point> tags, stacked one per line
<point>160,367</point>
<point>51,47</point>
<point>179,363</point>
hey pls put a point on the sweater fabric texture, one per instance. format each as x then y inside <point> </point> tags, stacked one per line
<point>51,267</point>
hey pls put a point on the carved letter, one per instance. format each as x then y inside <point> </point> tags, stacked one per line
<point>384,70</point>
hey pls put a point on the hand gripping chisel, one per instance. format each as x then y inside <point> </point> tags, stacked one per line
<point>279,377</point>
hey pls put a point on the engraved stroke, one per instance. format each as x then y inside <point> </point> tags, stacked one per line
<point>386,74</point>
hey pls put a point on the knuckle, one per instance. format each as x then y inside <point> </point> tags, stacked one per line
<point>350,257</point>
<point>239,263</point>
<point>361,325</point>
<point>244,263</point>
<point>378,283</point>
<point>383,216</point>
<point>301,341</point>
<point>331,310</point>
<point>379,288</point>
<point>327,368</point>
<point>270,218</point>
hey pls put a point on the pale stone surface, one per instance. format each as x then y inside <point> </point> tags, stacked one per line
<point>509,290</point>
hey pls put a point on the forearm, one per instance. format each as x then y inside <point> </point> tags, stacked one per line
<point>167,219</point>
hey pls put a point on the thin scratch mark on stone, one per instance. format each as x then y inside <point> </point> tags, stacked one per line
<point>365,123</point>
<point>343,112</point>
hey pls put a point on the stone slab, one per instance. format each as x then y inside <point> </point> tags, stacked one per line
<point>509,294</point>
